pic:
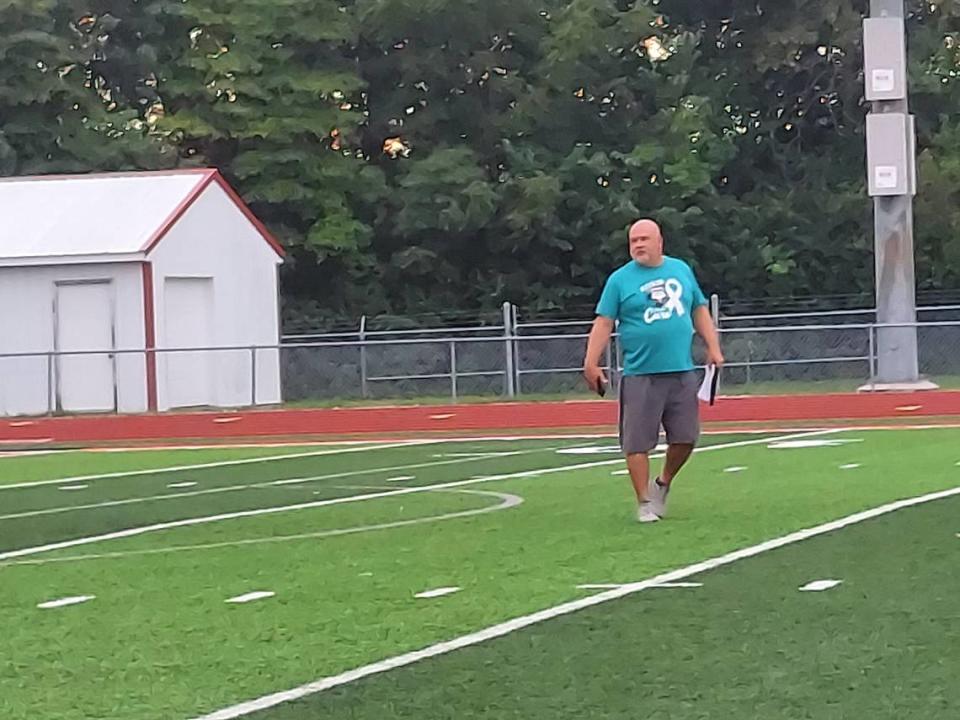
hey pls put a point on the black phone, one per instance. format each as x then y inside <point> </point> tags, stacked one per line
<point>601,388</point>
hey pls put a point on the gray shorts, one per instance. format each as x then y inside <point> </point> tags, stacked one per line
<point>649,401</point>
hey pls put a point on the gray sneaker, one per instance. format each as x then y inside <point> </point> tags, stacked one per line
<point>657,497</point>
<point>645,513</point>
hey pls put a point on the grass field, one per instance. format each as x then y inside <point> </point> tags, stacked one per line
<point>339,541</point>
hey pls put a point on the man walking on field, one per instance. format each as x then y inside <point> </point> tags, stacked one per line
<point>659,304</point>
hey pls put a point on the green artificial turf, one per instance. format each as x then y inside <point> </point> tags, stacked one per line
<point>159,641</point>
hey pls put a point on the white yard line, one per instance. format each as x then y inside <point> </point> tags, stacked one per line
<point>511,626</point>
<point>206,466</point>
<point>820,585</point>
<point>189,522</point>
<point>66,602</point>
<point>437,593</point>
<point>251,597</point>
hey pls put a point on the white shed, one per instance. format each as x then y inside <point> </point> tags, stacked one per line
<point>134,267</point>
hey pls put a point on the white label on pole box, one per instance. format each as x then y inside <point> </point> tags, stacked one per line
<point>883,80</point>
<point>885,177</point>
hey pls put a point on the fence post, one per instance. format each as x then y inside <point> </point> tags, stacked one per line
<point>509,328</point>
<point>51,391</point>
<point>364,391</point>
<point>517,375</point>
<point>453,369</point>
<point>872,344</point>
<point>253,377</point>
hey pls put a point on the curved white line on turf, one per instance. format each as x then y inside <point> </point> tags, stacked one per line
<point>251,486</point>
<point>508,500</point>
<point>144,529</point>
<point>495,631</point>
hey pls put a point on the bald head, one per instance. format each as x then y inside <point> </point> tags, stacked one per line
<point>646,243</point>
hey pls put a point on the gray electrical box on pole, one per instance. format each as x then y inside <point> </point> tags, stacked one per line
<point>891,181</point>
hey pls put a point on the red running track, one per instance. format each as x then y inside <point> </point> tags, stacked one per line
<point>458,418</point>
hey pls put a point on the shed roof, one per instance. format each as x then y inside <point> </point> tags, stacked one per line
<point>54,219</point>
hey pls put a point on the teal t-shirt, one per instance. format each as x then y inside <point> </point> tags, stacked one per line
<point>654,307</point>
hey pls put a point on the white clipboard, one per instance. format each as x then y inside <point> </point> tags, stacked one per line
<point>710,384</point>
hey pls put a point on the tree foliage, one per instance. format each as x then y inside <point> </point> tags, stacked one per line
<point>428,155</point>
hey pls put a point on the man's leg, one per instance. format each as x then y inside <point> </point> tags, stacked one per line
<point>641,409</point>
<point>677,456</point>
<point>639,466</point>
<point>681,420</point>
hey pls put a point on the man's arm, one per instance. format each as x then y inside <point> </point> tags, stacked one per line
<point>599,339</point>
<point>705,329</point>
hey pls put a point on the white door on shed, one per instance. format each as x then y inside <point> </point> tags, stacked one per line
<point>83,315</point>
<point>188,323</point>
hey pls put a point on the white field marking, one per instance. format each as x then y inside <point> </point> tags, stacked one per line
<point>117,503</point>
<point>401,478</point>
<point>439,592</point>
<point>850,466</point>
<point>224,446</point>
<point>614,586</point>
<point>375,443</point>
<point>476,455</point>
<point>221,463</point>
<point>233,488</point>
<point>773,430</point>
<point>65,602</point>
<point>604,449</point>
<point>251,596</point>
<point>511,626</point>
<point>28,453</point>
<point>797,444</point>
<point>735,469</point>
<point>727,430</point>
<point>189,522</point>
<point>73,487</point>
<point>600,586</point>
<point>391,468</point>
<point>508,501</point>
<point>592,450</point>
<point>178,485</point>
<point>820,585</point>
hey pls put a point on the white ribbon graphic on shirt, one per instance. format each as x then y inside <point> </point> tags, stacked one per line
<point>673,303</point>
<point>674,292</point>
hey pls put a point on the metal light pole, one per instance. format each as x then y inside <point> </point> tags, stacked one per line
<point>891,160</point>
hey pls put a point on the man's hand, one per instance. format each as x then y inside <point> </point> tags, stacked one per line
<point>594,376</point>
<point>715,357</point>
<point>599,338</point>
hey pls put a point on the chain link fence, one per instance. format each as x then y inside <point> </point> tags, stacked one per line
<point>792,358</point>
<point>530,361</point>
